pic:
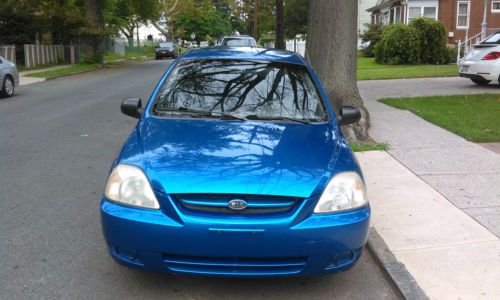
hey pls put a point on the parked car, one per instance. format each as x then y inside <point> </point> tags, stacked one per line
<point>363,45</point>
<point>9,77</point>
<point>239,41</point>
<point>236,167</point>
<point>166,49</point>
<point>482,63</point>
<point>203,44</point>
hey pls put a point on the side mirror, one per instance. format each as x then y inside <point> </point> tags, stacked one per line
<point>349,115</point>
<point>132,107</point>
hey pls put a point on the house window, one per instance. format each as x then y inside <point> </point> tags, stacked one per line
<point>385,18</point>
<point>396,14</point>
<point>463,14</point>
<point>429,12</point>
<point>495,6</point>
<point>414,12</point>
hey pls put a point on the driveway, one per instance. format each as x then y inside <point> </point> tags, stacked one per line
<point>58,140</point>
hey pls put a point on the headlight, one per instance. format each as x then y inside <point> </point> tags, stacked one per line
<point>344,191</point>
<point>128,185</point>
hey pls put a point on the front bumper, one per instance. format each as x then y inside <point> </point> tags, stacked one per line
<point>165,54</point>
<point>480,70</point>
<point>170,241</point>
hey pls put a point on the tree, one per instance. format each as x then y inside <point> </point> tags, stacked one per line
<point>94,31</point>
<point>168,9</point>
<point>130,14</point>
<point>331,50</point>
<point>203,19</point>
<point>295,17</point>
<point>280,40</point>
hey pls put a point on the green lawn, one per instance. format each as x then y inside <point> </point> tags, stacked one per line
<point>368,147</point>
<point>73,69</point>
<point>368,69</point>
<point>473,117</point>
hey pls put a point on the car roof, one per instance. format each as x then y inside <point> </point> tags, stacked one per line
<point>244,53</point>
<point>239,37</point>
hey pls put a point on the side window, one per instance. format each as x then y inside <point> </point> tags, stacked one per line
<point>463,11</point>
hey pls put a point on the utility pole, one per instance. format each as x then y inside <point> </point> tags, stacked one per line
<point>255,19</point>
<point>280,40</point>
<point>484,30</point>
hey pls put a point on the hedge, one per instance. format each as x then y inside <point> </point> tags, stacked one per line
<point>400,44</point>
<point>423,41</point>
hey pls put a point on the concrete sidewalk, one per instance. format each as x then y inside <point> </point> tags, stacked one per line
<point>440,239</point>
<point>448,253</point>
<point>25,79</point>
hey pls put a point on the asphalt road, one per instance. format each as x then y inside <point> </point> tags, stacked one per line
<point>57,141</point>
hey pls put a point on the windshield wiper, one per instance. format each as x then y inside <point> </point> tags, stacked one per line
<point>199,113</point>
<point>255,117</point>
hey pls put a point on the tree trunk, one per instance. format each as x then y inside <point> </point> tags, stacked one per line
<point>331,50</point>
<point>160,29</point>
<point>94,40</point>
<point>256,20</point>
<point>280,42</point>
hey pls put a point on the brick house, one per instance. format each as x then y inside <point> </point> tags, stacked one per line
<point>461,17</point>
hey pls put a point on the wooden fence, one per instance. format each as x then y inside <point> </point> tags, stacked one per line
<point>35,55</point>
<point>8,52</point>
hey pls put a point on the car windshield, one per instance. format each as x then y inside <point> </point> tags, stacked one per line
<point>494,39</point>
<point>241,89</point>
<point>239,42</point>
<point>166,45</point>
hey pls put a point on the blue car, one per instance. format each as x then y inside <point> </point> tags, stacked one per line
<point>236,167</point>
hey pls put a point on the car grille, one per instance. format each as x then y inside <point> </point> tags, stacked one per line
<point>234,265</point>
<point>218,203</point>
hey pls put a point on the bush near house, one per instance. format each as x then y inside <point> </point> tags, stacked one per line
<point>422,41</point>
<point>373,34</point>
<point>400,45</point>
<point>433,48</point>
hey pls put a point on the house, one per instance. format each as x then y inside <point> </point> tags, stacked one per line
<point>462,18</point>
<point>364,16</point>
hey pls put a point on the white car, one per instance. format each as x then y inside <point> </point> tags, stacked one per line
<point>238,41</point>
<point>482,63</point>
<point>9,78</point>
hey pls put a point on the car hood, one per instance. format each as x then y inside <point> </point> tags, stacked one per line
<point>226,157</point>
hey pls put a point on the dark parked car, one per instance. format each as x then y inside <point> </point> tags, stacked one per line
<point>239,41</point>
<point>166,49</point>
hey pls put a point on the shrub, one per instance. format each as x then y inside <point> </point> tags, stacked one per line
<point>451,54</point>
<point>373,35</point>
<point>400,44</point>
<point>432,34</point>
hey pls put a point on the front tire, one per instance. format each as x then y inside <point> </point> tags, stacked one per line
<point>7,87</point>
<point>480,81</point>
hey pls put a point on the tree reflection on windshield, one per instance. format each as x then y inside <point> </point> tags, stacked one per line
<point>245,88</point>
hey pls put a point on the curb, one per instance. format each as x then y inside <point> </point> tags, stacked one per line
<point>394,270</point>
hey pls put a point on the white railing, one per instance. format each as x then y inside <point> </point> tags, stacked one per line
<point>463,48</point>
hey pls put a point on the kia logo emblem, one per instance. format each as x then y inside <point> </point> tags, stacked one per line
<point>237,204</point>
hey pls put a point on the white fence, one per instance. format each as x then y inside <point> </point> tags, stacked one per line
<point>298,46</point>
<point>35,55</point>
<point>8,52</point>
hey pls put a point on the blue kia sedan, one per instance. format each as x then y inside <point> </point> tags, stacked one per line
<point>236,167</point>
